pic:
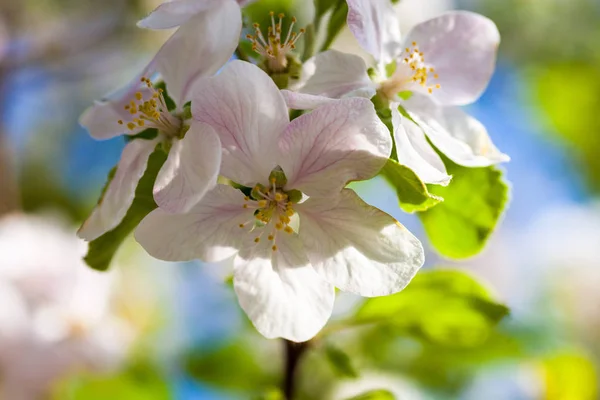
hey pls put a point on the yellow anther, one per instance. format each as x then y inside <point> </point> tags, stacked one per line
<point>131,125</point>
<point>274,248</point>
<point>140,122</point>
<point>278,226</point>
<point>138,95</point>
<point>279,196</point>
<point>120,122</point>
<point>256,240</point>
<point>262,203</point>
<point>245,206</point>
<point>289,212</point>
<point>241,225</point>
<point>271,237</point>
<point>246,198</point>
<point>288,229</point>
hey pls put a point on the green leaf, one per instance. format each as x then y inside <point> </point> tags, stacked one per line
<point>340,361</point>
<point>336,23</point>
<point>380,394</point>
<point>473,203</point>
<point>102,250</point>
<point>411,191</point>
<point>235,367</point>
<point>442,306</point>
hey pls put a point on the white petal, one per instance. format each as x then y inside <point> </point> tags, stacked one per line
<point>335,74</point>
<point>461,46</point>
<point>199,48</point>
<point>415,152</point>
<point>333,145</point>
<point>456,134</point>
<point>281,293</point>
<point>190,170</point>
<point>171,14</point>
<point>357,247</point>
<point>120,192</point>
<point>249,114</point>
<point>209,232</point>
<point>101,119</point>
<point>303,101</point>
<point>374,24</point>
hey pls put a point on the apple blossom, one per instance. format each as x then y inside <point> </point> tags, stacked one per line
<point>443,63</point>
<point>56,313</point>
<point>298,233</point>
<point>199,48</point>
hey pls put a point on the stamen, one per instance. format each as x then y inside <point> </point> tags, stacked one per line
<point>152,112</point>
<point>274,49</point>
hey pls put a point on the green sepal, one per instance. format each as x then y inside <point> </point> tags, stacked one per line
<point>278,176</point>
<point>294,195</point>
<point>146,134</point>
<point>473,205</point>
<point>412,193</point>
<point>102,250</point>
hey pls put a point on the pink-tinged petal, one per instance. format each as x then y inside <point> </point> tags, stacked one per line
<point>303,101</point>
<point>171,14</point>
<point>357,247</point>
<point>335,74</point>
<point>190,171</point>
<point>249,114</point>
<point>281,293</point>
<point>461,46</point>
<point>455,133</point>
<point>415,152</point>
<point>209,232</point>
<point>199,48</point>
<point>336,143</point>
<point>120,192</point>
<point>374,24</point>
<point>101,119</point>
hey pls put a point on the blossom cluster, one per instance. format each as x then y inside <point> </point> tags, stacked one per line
<point>260,150</point>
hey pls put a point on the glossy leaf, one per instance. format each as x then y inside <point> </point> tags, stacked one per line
<point>411,191</point>
<point>441,306</point>
<point>473,204</point>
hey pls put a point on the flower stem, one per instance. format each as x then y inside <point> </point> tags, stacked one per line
<point>293,354</point>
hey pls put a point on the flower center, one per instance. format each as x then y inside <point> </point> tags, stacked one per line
<point>149,109</point>
<point>273,49</point>
<point>273,212</point>
<point>410,72</point>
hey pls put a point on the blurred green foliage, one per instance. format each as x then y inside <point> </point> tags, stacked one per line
<point>375,395</point>
<point>139,381</point>
<point>570,376</point>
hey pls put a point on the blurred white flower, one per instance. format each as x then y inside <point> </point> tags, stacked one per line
<point>289,253</point>
<point>56,313</point>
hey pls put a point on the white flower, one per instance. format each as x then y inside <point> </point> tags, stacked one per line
<point>199,48</point>
<point>443,63</point>
<point>56,313</point>
<point>297,237</point>
<point>174,13</point>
